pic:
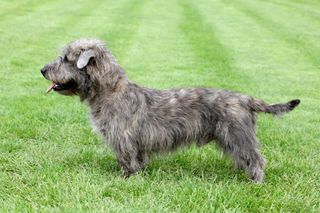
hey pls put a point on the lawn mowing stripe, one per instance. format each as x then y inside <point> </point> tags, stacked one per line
<point>260,55</point>
<point>292,38</point>
<point>121,37</point>
<point>28,25</point>
<point>311,3</point>
<point>21,8</point>
<point>242,40</point>
<point>27,18</point>
<point>166,56</point>
<point>303,21</point>
<point>226,29</point>
<point>113,23</point>
<point>311,12</point>
<point>209,49</point>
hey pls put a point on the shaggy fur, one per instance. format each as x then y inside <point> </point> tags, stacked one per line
<point>138,121</point>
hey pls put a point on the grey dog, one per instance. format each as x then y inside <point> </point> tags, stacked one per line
<point>138,121</point>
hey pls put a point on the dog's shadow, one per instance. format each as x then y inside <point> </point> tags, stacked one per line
<point>194,164</point>
<point>206,163</point>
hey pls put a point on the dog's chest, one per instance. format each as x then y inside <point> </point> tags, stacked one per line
<point>101,120</point>
<point>93,124</point>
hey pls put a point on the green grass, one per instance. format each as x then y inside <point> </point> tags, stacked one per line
<point>51,161</point>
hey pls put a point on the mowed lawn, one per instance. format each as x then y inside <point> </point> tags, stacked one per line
<point>51,161</point>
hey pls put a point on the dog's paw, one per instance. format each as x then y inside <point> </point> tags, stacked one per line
<point>257,175</point>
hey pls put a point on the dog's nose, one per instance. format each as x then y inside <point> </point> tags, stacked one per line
<point>43,71</point>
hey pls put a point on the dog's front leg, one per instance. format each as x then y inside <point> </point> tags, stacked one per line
<point>128,165</point>
<point>128,159</point>
<point>143,159</point>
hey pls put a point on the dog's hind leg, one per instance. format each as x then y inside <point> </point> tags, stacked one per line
<point>241,144</point>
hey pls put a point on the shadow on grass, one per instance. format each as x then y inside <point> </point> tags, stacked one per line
<point>213,170</point>
<point>204,164</point>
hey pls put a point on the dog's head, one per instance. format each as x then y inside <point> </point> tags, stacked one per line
<point>77,69</point>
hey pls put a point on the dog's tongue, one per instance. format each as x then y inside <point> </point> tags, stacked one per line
<point>51,87</point>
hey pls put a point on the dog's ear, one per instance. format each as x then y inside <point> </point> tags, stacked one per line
<point>84,58</point>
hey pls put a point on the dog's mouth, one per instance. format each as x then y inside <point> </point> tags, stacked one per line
<point>58,87</point>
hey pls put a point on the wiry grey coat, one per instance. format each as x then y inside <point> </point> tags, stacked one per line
<point>138,121</point>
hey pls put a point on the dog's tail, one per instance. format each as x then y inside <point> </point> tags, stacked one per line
<point>275,109</point>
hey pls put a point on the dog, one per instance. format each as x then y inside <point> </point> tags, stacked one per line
<point>138,121</point>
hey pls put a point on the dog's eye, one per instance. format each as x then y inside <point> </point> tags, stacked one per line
<point>65,59</point>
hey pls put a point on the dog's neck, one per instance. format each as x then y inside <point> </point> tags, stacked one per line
<point>113,82</point>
